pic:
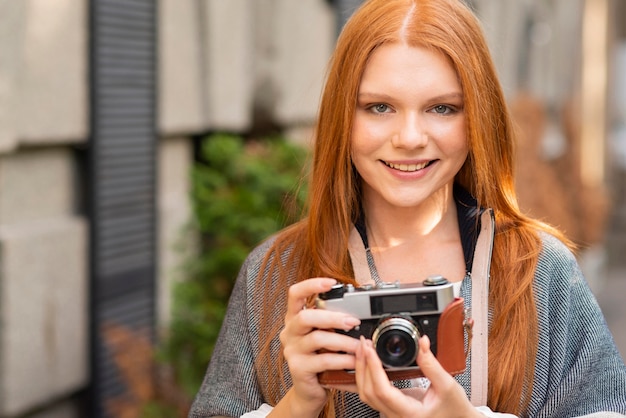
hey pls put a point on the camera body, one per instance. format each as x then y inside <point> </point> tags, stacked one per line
<point>393,315</point>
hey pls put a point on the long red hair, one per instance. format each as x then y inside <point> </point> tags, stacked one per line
<point>318,244</point>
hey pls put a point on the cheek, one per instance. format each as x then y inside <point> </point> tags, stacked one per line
<point>360,142</point>
<point>454,139</point>
<point>458,152</point>
<point>367,137</point>
<point>460,146</point>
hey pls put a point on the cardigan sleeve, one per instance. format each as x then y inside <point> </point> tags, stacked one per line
<point>578,368</point>
<point>230,386</point>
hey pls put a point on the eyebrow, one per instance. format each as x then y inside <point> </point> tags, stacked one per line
<point>385,97</point>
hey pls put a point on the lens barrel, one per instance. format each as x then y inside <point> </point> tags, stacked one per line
<point>395,339</point>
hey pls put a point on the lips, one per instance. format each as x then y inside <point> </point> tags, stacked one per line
<point>407,168</point>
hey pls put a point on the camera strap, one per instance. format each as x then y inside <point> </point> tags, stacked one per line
<point>479,361</point>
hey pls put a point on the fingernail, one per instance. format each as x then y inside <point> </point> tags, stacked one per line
<point>425,346</point>
<point>351,322</point>
<point>362,343</point>
<point>327,283</point>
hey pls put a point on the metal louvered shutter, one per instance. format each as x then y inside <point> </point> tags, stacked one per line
<point>122,196</point>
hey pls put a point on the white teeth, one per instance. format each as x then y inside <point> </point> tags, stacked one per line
<point>407,167</point>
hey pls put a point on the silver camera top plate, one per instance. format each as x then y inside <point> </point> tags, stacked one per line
<point>425,298</point>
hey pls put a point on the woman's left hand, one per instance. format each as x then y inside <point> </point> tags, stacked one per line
<point>444,398</point>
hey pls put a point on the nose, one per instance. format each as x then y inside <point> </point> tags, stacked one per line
<point>410,133</point>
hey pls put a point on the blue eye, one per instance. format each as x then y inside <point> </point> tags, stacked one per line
<point>442,109</point>
<point>380,108</point>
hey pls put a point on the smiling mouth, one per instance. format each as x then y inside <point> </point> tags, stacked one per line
<point>408,168</point>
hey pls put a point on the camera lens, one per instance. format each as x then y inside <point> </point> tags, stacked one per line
<point>395,339</point>
<point>395,346</point>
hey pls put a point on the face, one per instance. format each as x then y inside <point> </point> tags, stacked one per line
<point>408,138</point>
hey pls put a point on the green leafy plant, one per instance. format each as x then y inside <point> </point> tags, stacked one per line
<point>243,191</point>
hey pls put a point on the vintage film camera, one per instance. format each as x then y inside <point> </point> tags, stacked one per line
<point>394,316</point>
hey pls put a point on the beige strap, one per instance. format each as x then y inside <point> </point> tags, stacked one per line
<point>480,294</point>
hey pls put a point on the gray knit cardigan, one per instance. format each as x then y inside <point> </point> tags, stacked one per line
<point>578,368</point>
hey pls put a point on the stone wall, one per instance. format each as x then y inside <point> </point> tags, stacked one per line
<point>43,274</point>
<point>43,235</point>
<point>535,45</point>
<point>221,64</point>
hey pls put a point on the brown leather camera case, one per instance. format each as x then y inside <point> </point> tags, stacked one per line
<point>450,349</point>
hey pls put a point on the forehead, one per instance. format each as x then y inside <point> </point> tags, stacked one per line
<point>400,67</point>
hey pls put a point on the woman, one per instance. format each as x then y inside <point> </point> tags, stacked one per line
<point>413,142</point>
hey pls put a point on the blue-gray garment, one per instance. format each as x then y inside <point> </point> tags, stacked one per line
<point>578,368</point>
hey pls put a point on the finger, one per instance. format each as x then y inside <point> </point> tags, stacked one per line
<point>430,366</point>
<point>371,378</point>
<point>374,371</point>
<point>311,365</point>
<point>316,327</point>
<point>306,320</point>
<point>299,293</point>
<point>320,340</point>
<point>359,363</point>
<point>377,391</point>
<point>360,370</point>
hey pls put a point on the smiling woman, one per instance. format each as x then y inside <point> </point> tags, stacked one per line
<point>409,137</point>
<point>413,147</point>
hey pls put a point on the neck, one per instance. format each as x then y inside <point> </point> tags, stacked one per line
<point>391,226</point>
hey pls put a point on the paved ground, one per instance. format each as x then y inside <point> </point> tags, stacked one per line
<point>611,295</point>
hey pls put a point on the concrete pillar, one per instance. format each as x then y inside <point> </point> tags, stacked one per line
<point>43,242</point>
<point>12,19</point>
<point>345,8</point>
<point>535,45</point>
<point>176,238</point>
<point>504,30</point>
<point>302,38</point>
<point>228,72</point>
<point>181,91</point>
<point>52,106</point>
<point>616,236</point>
<point>43,276</point>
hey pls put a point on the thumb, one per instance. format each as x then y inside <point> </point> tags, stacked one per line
<point>430,366</point>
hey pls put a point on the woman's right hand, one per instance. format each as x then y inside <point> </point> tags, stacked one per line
<point>306,332</point>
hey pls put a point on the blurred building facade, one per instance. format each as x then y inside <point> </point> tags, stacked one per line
<point>233,66</point>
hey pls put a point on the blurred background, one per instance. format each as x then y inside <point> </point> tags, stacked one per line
<point>146,145</point>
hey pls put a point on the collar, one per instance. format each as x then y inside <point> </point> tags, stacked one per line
<point>468,215</point>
